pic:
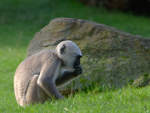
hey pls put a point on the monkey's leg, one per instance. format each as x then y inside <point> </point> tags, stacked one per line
<point>34,93</point>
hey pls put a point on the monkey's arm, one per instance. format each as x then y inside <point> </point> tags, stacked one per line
<point>47,78</point>
<point>67,75</point>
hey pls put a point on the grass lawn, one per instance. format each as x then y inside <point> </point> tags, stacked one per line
<point>20,19</point>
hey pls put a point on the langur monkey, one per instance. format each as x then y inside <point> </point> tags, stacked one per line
<point>38,76</point>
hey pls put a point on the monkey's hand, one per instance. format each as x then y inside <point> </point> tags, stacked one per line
<point>68,75</point>
<point>77,71</point>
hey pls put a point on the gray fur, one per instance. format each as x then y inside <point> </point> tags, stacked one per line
<point>38,76</point>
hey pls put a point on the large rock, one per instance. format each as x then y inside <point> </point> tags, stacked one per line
<point>111,57</point>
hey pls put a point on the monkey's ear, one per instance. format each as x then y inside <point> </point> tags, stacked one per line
<point>62,49</point>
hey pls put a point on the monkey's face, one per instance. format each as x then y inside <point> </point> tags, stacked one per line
<point>69,53</point>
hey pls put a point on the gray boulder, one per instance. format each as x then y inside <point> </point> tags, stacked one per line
<point>111,58</point>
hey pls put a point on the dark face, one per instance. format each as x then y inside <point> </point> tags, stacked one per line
<point>77,62</point>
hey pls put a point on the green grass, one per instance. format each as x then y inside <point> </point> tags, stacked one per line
<point>20,19</point>
<point>127,100</point>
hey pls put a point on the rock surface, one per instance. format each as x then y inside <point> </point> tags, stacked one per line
<point>111,58</point>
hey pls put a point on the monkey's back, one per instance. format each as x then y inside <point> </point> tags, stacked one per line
<point>26,70</point>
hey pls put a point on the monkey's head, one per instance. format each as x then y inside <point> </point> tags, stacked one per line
<point>69,53</point>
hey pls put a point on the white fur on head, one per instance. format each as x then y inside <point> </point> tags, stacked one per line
<point>71,50</point>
